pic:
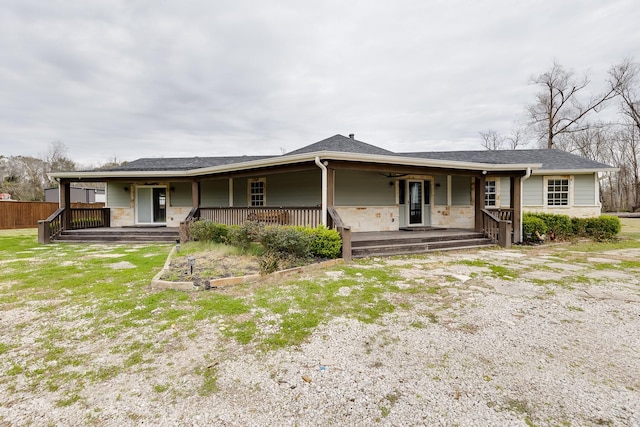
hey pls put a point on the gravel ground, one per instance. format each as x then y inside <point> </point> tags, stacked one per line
<point>487,352</point>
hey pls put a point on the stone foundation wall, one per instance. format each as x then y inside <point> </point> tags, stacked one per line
<point>573,211</point>
<point>453,216</point>
<point>370,218</point>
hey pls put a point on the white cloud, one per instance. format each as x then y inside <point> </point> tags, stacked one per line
<point>139,78</point>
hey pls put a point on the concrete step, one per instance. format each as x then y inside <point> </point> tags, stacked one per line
<point>417,248</point>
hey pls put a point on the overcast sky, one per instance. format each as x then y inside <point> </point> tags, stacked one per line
<point>127,79</point>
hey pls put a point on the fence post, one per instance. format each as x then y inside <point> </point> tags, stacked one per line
<point>504,234</point>
<point>44,234</point>
<point>345,234</point>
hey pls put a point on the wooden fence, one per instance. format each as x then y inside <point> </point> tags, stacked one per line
<point>14,214</point>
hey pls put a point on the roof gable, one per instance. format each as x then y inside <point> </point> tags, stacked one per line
<point>340,143</point>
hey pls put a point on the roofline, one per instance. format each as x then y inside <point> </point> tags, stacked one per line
<point>572,171</point>
<point>297,158</point>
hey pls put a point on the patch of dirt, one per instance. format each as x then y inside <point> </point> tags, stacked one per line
<point>208,265</point>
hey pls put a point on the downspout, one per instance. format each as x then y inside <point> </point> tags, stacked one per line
<point>524,178</point>
<point>324,190</point>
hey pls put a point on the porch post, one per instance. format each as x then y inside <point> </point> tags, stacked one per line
<point>65,203</point>
<point>479,201</point>
<point>516,204</point>
<point>195,194</point>
<point>331,186</point>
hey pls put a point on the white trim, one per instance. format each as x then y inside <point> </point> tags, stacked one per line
<point>263,180</point>
<point>291,159</point>
<point>136,202</point>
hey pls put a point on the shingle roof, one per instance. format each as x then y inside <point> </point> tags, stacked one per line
<point>550,159</point>
<point>343,144</point>
<point>182,163</point>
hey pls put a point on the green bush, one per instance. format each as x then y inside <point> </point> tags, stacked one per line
<point>560,224</point>
<point>530,224</point>
<point>326,242</point>
<point>286,240</point>
<point>603,227</point>
<point>208,231</point>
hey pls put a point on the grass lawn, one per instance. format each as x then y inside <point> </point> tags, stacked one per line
<point>79,314</point>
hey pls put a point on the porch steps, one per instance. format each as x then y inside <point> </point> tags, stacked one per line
<point>120,235</point>
<point>419,244</point>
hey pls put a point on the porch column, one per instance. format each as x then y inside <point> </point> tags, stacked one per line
<point>65,202</point>
<point>479,201</point>
<point>331,186</point>
<point>195,194</point>
<point>516,204</point>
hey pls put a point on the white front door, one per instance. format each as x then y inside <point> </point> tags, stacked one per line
<point>151,205</point>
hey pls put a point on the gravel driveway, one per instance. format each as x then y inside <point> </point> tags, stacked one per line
<point>556,345</point>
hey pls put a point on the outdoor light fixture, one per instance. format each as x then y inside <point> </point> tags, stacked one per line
<point>125,189</point>
<point>177,245</point>
<point>191,261</point>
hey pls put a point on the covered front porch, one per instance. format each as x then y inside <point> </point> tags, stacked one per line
<point>351,197</point>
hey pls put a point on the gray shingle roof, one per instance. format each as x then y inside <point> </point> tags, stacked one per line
<point>550,159</point>
<point>183,163</point>
<point>342,144</point>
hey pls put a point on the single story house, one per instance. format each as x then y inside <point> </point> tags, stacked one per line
<point>346,182</point>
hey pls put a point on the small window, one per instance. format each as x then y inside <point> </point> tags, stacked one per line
<point>558,192</point>
<point>257,192</point>
<point>490,193</point>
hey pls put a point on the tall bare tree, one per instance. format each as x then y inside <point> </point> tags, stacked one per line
<point>492,140</point>
<point>559,109</point>
<point>625,82</point>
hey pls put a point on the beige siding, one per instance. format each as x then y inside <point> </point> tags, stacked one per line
<point>460,190</point>
<point>358,188</point>
<point>215,193</point>
<point>180,194</point>
<point>584,189</point>
<point>532,191</point>
<point>119,195</point>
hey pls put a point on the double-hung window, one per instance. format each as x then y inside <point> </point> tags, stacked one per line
<point>558,192</point>
<point>490,192</point>
<point>257,192</point>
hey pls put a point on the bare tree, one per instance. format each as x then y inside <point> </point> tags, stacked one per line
<point>625,82</point>
<point>558,109</point>
<point>492,140</point>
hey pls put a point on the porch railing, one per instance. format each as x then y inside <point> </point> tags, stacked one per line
<point>495,228</point>
<point>311,216</point>
<point>80,218</point>
<point>501,213</point>
<point>308,216</point>
<point>334,221</point>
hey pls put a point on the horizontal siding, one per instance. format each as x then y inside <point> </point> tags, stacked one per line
<point>532,191</point>
<point>360,188</point>
<point>295,189</point>
<point>505,192</point>
<point>584,190</point>
<point>180,194</point>
<point>440,189</point>
<point>215,193</point>
<point>460,190</point>
<point>117,197</point>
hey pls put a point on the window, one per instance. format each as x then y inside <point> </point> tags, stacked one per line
<point>257,193</point>
<point>558,192</point>
<point>490,193</point>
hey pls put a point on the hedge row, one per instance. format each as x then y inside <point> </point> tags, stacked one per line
<point>563,227</point>
<point>284,246</point>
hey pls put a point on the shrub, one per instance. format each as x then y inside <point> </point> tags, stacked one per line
<point>560,224</point>
<point>286,240</point>
<point>530,224</point>
<point>207,231</point>
<point>326,242</point>
<point>603,227</point>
